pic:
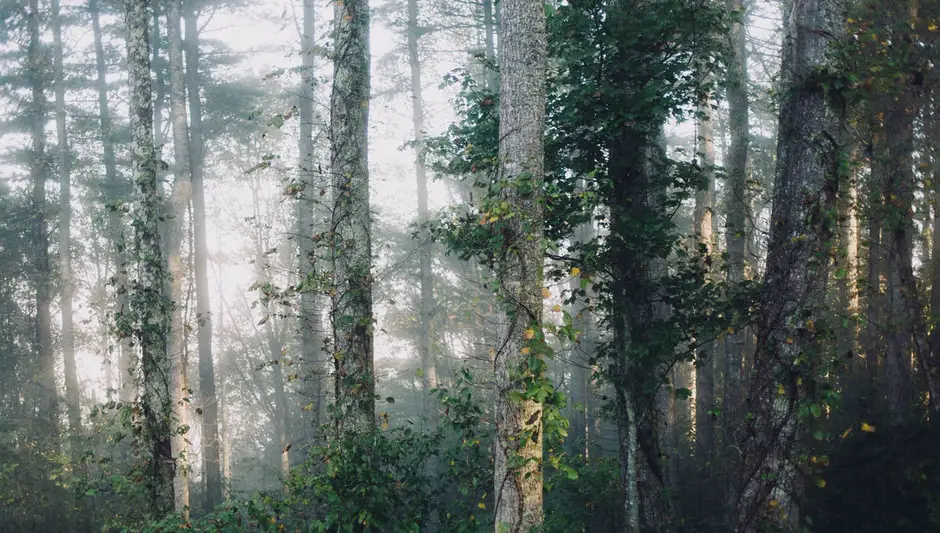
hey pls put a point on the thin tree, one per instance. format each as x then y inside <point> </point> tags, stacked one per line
<point>36,73</point>
<point>152,313</point>
<point>173,228</point>
<point>518,446</point>
<point>197,152</point>
<point>351,225</point>
<point>737,203</point>
<point>64,159</point>
<point>425,276</point>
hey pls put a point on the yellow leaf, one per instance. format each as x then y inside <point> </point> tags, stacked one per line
<point>575,271</point>
<point>810,325</point>
<point>481,505</point>
<point>821,483</point>
<point>730,331</point>
<point>851,21</point>
<point>789,340</point>
<point>773,503</point>
<point>524,351</point>
<point>529,334</point>
<point>868,428</point>
<point>546,293</point>
<point>931,27</point>
<point>780,390</point>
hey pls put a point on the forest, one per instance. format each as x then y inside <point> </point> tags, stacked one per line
<point>658,266</point>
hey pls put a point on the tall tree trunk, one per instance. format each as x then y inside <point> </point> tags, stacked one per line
<point>704,360</point>
<point>179,201</point>
<point>310,317</point>
<point>518,446</point>
<point>115,194</point>
<point>894,164</point>
<point>207,395</point>
<point>797,264</point>
<point>38,174</point>
<point>489,35</point>
<point>583,353</point>
<point>425,276</point>
<point>737,202</point>
<point>72,394</point>
<point>351,227</point>
<point>152,313</point>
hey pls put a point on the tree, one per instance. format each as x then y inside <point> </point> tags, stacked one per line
<point>310,317</point>
<point>64,158</point>
<point>197,153</point>
<point>737,203</point>
<point>152,313</point>
<point>519,364</point>
<point>38,174</point>
<point>425,275</point>
<point>792,320</point>
<point>351,225</point>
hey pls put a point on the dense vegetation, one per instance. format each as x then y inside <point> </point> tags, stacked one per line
<point>478,265</point>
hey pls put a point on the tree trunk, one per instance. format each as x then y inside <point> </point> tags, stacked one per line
<point>491,78</point>
<point>152,313</point>
<point>351,227</point>
<point>182,189</point>
<point>207,395</point>
<point>737,203</point>
<point>72,393</point>
<point>310,317</point>
<point>115,194</point>
<point>704,360</point>
<point>785,361</point>
<point>518,445</point>
<point>583,354</point>
<point>38,174</point>
<point>425,276</point>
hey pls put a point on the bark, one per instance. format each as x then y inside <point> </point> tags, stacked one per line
<point>800,246</point>
<point>583,354</point>
<point>848,260</point>
<point>425,276</point>
<point>737,202</point>
<point>518,445</point>
<point>207,395</point>
<point>38,174</point>
<point>115,194</point>
<point>152,314</point>
<point>351,226</point>
<point>704,360</point>
<point>179,201</point>
<point>489,34</point>
<point>72,393</point>
<point>309,318</point>
<point>905,325</point>
<point>894,168</point>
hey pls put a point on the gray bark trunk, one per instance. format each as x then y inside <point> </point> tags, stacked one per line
<point>737,203</point>
<point>207,395</point>
<point>115,193</point>
<point>72,394</point>
<point>351,227</point>
<point>310,316</point>
<point>518,446</point>
<point>797,264</point>
<point>38,174</point>
<point>152,314</point>
<point>704,360</point>
<point>425,275</point>
<point>179,201</point>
